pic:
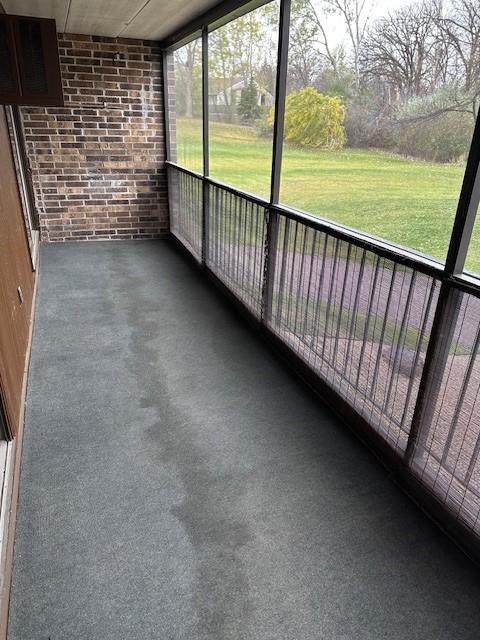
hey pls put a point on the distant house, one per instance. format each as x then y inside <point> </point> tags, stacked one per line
<point>231,94</point>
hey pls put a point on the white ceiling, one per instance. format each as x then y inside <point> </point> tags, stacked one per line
<point>148,19</point>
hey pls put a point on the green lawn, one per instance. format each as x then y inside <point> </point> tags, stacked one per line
<point>409,202</point>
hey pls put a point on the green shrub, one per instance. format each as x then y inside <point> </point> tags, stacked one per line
<point>313,119</point>
<point>444,138</point>
<point>365,124</point>
<point>432,128</point>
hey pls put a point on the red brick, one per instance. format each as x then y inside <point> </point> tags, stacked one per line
<point>110,185</point>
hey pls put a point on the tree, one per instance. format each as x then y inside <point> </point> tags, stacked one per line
<point>187,65</point>
<point>405,51</point>
<point>356,16</point>
<point>311,54</point>
<point>248,108</point>
<point>314,120</point>
<point>460,28</point>
<point>241,50</point>
<point>305,56</point>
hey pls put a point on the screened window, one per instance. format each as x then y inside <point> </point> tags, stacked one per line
<point>472,263</point>
<point>242,61</point>
<point>186,132</point>
<point>380,108</point>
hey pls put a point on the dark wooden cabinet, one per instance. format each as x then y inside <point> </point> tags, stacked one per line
<point>29,63</point>
<point>9,78</point>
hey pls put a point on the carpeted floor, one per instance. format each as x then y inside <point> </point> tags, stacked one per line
<point>178,483</point>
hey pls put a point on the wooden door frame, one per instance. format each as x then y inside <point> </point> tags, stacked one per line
<point>14,447</point>
<point>26,175</point>
<point>23,172</point>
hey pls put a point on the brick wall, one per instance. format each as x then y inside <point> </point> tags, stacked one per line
<point>98,163</point>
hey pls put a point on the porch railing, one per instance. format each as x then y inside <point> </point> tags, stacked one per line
<point>390,334</point>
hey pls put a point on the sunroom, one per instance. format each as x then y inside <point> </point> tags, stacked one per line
<point>240,281</point>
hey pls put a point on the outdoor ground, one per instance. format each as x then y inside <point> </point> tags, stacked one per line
<point>409,202</point>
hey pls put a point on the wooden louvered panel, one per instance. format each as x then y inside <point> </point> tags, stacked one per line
<point>9,80</point>
<point>29,63</point>
<point>35,76</point>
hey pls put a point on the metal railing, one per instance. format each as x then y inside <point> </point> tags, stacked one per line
<point>236,242</point>
<point>185,203</point>
<point>359,320</point>
<point>392,335</point>
<point>446,456</point>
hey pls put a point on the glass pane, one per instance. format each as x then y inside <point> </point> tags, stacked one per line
<point>187,145</point>
<point>380,115</point>
<point>242,72</point>
<point>472,263</point>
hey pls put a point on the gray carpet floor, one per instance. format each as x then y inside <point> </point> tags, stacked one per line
<point>179,484</point>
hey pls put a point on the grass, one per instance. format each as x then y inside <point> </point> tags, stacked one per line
<point>409,202</point>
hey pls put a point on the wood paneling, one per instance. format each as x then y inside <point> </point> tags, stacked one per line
<point>16,284</point>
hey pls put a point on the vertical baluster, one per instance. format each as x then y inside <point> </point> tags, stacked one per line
<point>283,273</point>
<point>333,272</point>
<point>318,306</point>
<point>382,332</point>
<point>349,363</point>
<point>217,229</point>
<point>461,398</point>
<point>221,218</point>
<point>260,214</point>
<point>299,296</point>
<point>367,320</point>
<point>342,298</point>
<point>292,276</point>
<point>250,280</point>
<point>421,338</point>
<point>398,348</point>
<point>315,235</point>
<point>229,237</point>
<point>236,275</point>
<point>243,215</point>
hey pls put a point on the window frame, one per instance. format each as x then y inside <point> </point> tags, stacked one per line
<point>453,268</point>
